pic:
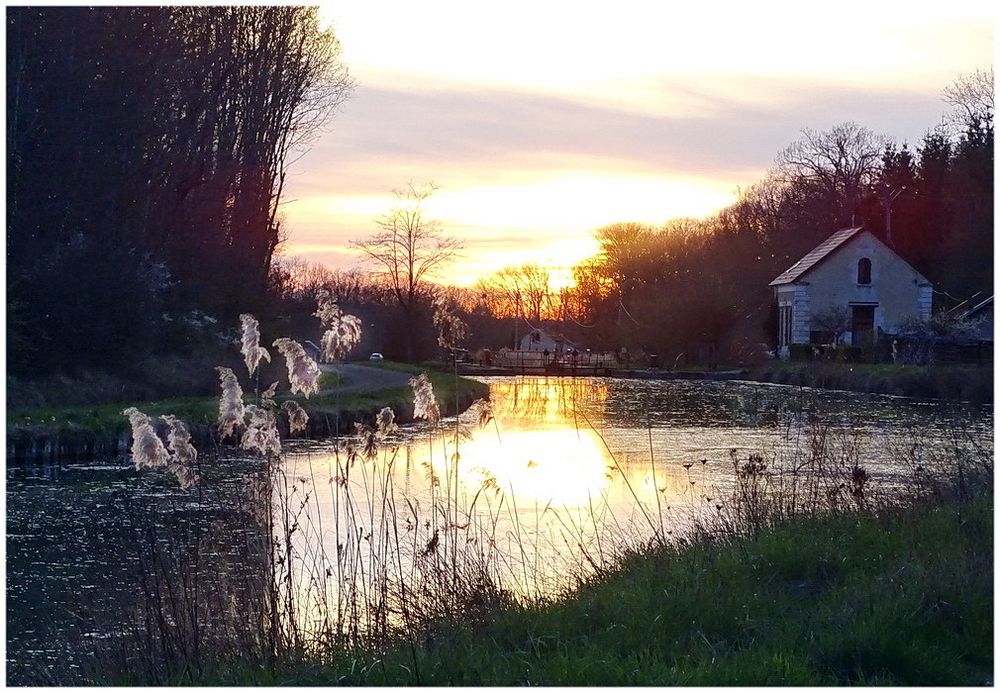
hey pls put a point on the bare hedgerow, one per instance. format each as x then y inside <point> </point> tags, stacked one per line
<point>231,411</point>
<point>303,373</point>
<point>297,417</point>
<point>147,448</point>
<point>250,346</point>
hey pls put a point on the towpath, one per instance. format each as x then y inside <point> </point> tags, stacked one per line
<point>361,378</point>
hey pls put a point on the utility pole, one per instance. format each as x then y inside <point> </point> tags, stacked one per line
<point>887,199</point>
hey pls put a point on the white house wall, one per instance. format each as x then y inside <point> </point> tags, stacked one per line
<point>899,292</point>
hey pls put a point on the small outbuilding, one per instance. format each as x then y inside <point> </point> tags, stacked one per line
<point>541,340</point>
<point>846,290</point>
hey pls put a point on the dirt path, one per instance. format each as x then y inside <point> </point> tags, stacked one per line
<point>359,378</point>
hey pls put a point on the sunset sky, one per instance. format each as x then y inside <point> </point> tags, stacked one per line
<point>541,122</point>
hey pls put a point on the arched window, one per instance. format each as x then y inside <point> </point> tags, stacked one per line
<point>864,271</point>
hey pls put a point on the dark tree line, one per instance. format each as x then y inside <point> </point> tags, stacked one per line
<point>146,156</point>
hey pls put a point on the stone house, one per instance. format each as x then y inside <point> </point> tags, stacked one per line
<point>847,290</point>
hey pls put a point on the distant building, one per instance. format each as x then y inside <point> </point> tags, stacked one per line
<point>852,278</point>
<point>540,340</point>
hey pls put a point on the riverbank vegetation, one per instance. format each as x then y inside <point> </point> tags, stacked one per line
<point>972,384</point>
<point>96,428</point>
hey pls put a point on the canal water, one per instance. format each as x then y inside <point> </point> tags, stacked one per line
<point>563,475</point>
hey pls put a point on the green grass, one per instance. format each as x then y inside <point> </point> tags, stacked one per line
<point>901,600</point>
<point>954,382</point>
<point>108,419</point>
<point>401,399</point>
<point>328,379</point>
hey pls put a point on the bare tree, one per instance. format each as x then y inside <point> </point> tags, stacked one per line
<point>840,164</point>
<point>408,249</point>
<point>833,320</point>
<point>972,97</point>
<point>518,291</point>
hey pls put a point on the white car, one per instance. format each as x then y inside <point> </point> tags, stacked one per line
<point>376,357</point>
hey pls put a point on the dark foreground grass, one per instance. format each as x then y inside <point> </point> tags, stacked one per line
<point>904,599</point>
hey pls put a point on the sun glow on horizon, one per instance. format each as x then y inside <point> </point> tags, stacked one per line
<point>537,139</point>
<point>548,222</point>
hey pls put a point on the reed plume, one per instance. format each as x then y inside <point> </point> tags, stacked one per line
<point>182,453</point>
<point>385,422</point>
<point>343,331</point>
<point>327,309</point>
<point>297,417</point>
<point>342,336</point>
<point>424,404</point>
<point>479,412</point>
<point>231,411</point>
<point>303,373</point>
<point>452,330</point>
<point>186,476</point>
<point>179,441</point>
<point>262,431</point>
<point>267,396</point>
<point>369,439</point>
<point>250,346</point>
<point>147,448</point>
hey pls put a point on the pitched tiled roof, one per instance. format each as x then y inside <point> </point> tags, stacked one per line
<point>815,256</point>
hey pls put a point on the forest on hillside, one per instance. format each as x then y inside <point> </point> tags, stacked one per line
<point>146,157</point>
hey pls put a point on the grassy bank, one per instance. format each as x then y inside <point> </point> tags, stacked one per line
<point>962,383</point>
<point>330,413</point>
<point>83,430</point>
<point>904,599</point>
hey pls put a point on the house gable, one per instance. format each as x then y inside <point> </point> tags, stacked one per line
<point>843,239</point>
<point>851,273</point>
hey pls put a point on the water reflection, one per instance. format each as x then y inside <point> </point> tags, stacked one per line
<point>571,467</point>
<point>541,403</point>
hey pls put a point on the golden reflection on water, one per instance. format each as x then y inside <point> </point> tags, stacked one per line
<point>543,403</point>
<point>537,484</point>
<point>557,466</point>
